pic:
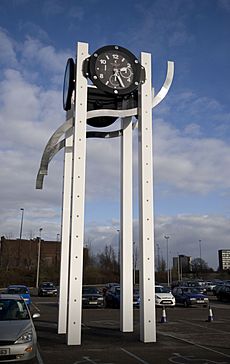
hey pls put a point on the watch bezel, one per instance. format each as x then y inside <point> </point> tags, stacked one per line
<point>137,71</point>
<point>70,66</point>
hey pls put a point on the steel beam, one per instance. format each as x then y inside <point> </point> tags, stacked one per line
<point>78,201</point>
<point>146,218</point>
<point>65,233</point>
<point>126,233</point>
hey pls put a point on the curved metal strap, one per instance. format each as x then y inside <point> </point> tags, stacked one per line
<point>131,112</point>
<point>166,86</point>
<point>51,151</point>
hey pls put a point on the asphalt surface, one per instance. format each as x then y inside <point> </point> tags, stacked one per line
<point>186,337</point>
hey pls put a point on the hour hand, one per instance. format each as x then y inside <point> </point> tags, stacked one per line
<point>120,80</point>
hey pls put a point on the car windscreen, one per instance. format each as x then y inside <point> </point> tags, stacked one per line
<point>47,285</point>
<point>11,309</point>
<point>17,290</point>
<point>162,290</point>
<point>191,290</point>
<point>90,290</point>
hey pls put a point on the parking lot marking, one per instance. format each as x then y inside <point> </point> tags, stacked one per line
<point>134,356</point>
<point>192,343</point>
<point>88,360</point>
<point>39,358</point>
<point>36,307</point>
<point>212,328</point>
<point>180,359</point>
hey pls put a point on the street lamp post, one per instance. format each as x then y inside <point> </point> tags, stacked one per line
<point>178,267</point>
<point>20,236</point>
<point>200,250</point>
<point>119,249</point>
<point>134,262</point>
<point>200,256</point>
<point>39,257</point>
<point>158,257</point>
<point>167,239</point>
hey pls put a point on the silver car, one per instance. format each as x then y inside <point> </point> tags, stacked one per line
<point>18,339</point>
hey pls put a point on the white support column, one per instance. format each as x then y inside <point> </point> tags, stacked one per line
<point>78,202</point>
<point>126,233</point>
<point>146,218</point>
<point>65,233</point>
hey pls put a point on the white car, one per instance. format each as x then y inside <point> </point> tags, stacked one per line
<point>163,297</point>
<point>18,339</point>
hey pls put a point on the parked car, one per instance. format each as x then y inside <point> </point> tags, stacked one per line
<point>112,297</point>
<point>189,296</point>
<point>224,293</point>
<point>209,285</point>
<point>163,297</point>
<point>21,290</point>
<point>217,288</point>
<point>108,286</point>
<point>18,339</point>
<point>136,298</point>
<point>92,297</point>
<point>197,284</point>
<point>47,289</point>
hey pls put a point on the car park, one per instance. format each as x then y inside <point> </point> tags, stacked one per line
<point>112,297</point>
<point>223,293</point>
<point>189,296</point>
<point>47,289</point>
<point>197,284</point>
<point>21,290</point>
<point>18,339</point>
<point>163,296</point>
<point>92,297</point>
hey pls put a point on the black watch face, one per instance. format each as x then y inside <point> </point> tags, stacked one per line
<point>68,85</point>
<point>115,70</point>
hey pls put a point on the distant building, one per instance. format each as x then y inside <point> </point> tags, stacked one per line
<point>224,259</point>
<point>184,263</point>
<point>21,253</point>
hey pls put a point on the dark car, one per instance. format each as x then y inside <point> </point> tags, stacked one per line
<point>92,297</point>
<point>189,296</point>
<point>47,289</point>
<point>224,293</point>
<point>21,290</point>
<point>112,297</point>
<point>217,288</point>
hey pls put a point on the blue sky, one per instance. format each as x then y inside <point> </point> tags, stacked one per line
<point>191,127</point>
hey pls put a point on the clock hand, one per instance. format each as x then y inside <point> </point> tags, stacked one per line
<point>117,76</point>
<point>120,80</point>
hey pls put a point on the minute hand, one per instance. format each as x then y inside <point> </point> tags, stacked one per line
<point>120,80</point>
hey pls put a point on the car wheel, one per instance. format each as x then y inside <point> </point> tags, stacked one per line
<point>186,304</point>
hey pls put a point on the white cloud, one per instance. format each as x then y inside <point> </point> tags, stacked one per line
<point>190,163</point>
<point>44,57</point>
<point>7,51</point>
